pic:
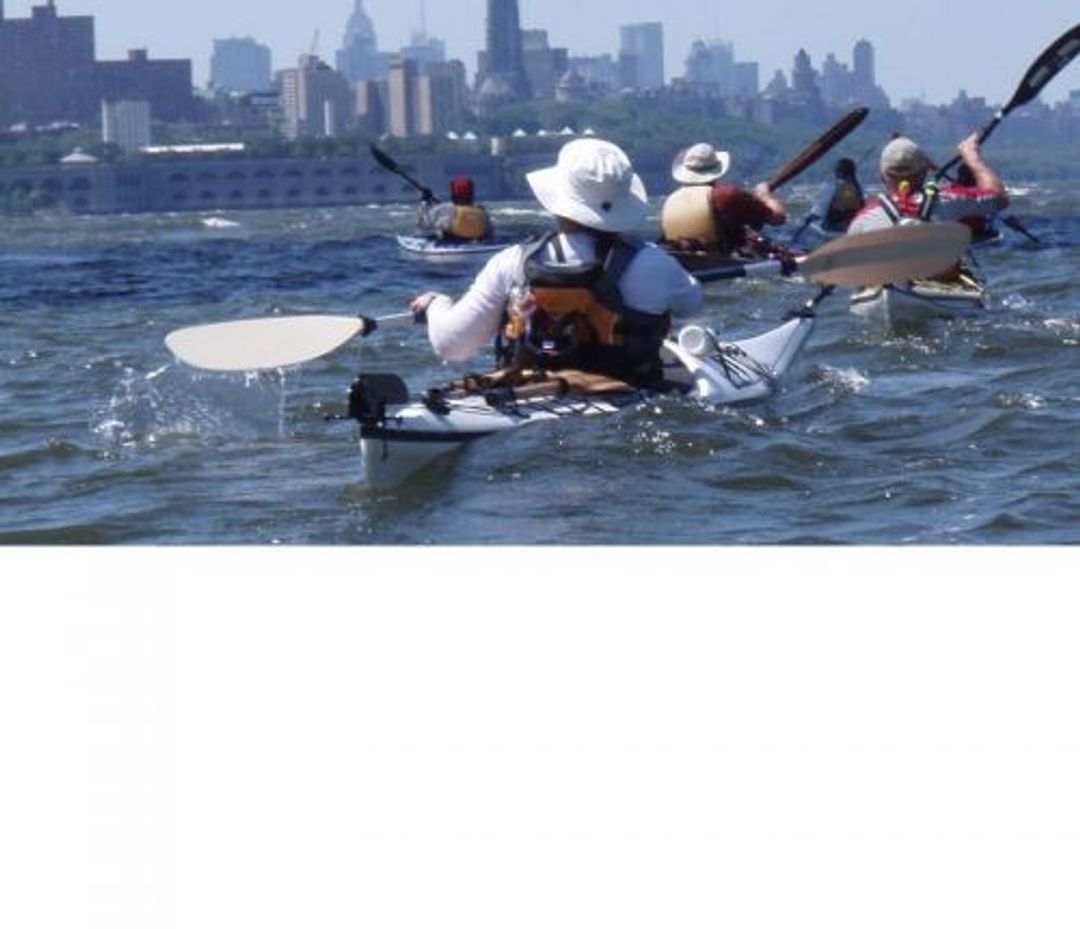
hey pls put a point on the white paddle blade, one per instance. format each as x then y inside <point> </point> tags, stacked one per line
<point>261,344</point>
<point>886,256</point>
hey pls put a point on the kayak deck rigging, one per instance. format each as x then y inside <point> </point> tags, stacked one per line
<point>400,434</point>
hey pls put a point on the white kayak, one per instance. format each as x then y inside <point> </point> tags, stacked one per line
<point>437,250</point>
<point>921,302</point>
<point>400,435</point>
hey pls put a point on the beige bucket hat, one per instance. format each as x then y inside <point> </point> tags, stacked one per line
<point>700,164</point>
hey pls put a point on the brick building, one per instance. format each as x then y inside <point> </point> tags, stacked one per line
<point>49,73</point>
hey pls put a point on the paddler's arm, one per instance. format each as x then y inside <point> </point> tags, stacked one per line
<point>777,212</point>
<point>460,330</point>
<point>986,178</point>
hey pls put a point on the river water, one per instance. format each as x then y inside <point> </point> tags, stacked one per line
<point>967,434</point>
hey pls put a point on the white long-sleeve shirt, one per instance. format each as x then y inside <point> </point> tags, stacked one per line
<point>653,282</point>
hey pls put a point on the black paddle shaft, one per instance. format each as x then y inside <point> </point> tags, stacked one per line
<point>1047,66</point>
<point>387,162</point>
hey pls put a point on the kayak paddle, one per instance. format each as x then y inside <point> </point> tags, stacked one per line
<point>873,258</point>
<point>273,342</point>
<point>1053,60</point>
<point>387,162</point>
<point>1013,223</point>
<point>819,147</point>
<point>870,259</point>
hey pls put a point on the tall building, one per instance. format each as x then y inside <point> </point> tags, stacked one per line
<point>864,77</point>
<point>241,64</point>
<point>315,99</point>
<point>166,84</point>
<point>598,73</point>
<point>360,58</point>
<point>641,47</point>
<point>48,73</point>
<point>711,67</point>
<point>439,97</point>
<point>502,78</point>
<point>746,79</point>
<point>47,68</point>
<point>425,50</point>
<point>862,59</point>
<point>837,84</point>
<point>402,115</point>
<point>544,65</point>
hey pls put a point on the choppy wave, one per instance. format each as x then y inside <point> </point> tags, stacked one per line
<point>967,435</point>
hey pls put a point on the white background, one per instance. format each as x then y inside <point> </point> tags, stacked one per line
<point>493,738</point>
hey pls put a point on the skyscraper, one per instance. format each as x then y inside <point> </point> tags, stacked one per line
<point>240,64</point>
<point>864,77</point>
<point>862,59</point>
<point>502,78</point>
<point>359,58</point>
<point>315,99</point>
<point>642,48</point>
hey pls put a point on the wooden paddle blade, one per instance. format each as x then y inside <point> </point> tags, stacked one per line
<point>886,256</point>
<point>819,147</point>
<point>1055,59</point>
<point>262,344</point>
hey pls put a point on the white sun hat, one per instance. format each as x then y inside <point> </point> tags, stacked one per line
<point>594,184</point>
<point>700,164</point>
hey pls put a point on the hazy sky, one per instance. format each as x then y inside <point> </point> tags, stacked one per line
<point>984,47</point>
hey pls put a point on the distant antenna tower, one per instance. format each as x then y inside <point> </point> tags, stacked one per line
<point>423,19</point>
<point>315,44</point>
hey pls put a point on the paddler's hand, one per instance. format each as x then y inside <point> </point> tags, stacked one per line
<point>420,305</point>
<point>969,149</point>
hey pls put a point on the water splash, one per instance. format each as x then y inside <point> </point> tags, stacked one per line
<point>174,402</point>
<point>841,380</point>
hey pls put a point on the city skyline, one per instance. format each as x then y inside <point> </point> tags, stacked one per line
<point>1002,55</point>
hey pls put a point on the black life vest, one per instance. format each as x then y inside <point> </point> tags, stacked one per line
<point>846,201</point>
<point>580,319</point>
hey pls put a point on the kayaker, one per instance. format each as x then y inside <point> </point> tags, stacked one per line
<point>839,200</point>
<point>587,296</point>
<point>460,220</point>
<point>705,215</point>
<point>982,227</point>
<point>911,194</point>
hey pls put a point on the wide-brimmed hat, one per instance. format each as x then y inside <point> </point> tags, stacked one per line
<point>700,164</point>
<point>594,184</point>
<point>903,158</point>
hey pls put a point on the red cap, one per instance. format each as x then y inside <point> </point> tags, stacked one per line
<point>461,189</point>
